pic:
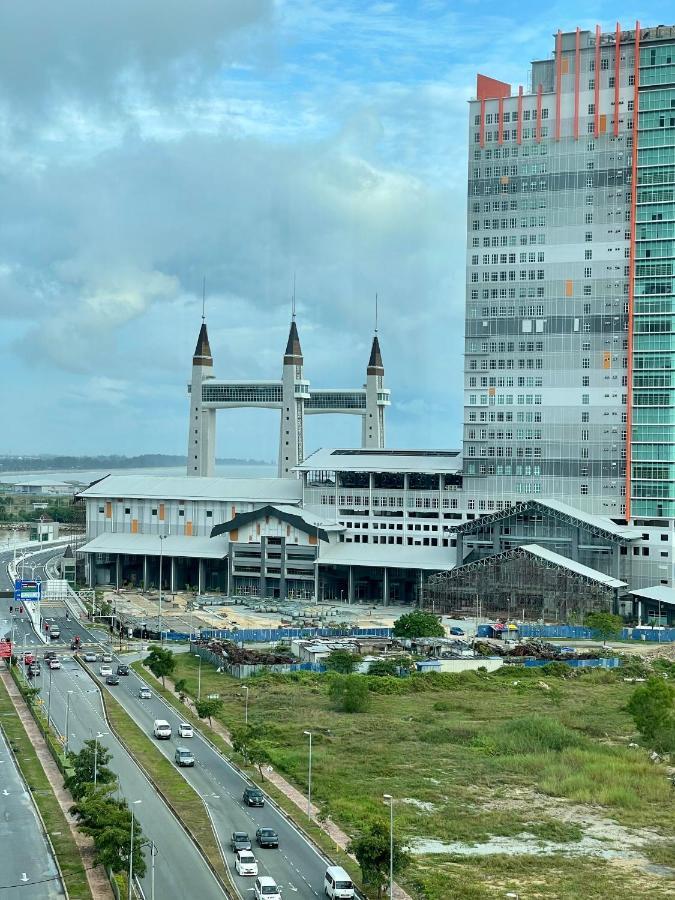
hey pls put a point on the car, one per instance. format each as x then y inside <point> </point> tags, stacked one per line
<point>105,670</point>
<point>75,644</point>
<point>54,633</point>
<point>28,658</point>
<point>266,837</point>
<point>112,679</point>
<point>89,657</point>
<point>457,632</point>
<point>54,663</point>
<point>240,841</point>
<point>265,888</point>
<point>185,730</point>
<point>184,757</point>
<point>253,796</point>
<point>572,651</point>
<point>145,694</point>
<point>106,658</point>
<point>49,654</point>
<point>245,863</point>
<point>34,668</point>
<point>122,669</point>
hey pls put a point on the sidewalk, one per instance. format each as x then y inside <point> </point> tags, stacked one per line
<point>96,876</point>
<point>336,834</point>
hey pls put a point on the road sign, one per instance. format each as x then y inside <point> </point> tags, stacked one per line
<point>27,591</point>
<point>5,649</point>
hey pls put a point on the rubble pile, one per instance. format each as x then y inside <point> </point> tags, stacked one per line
<point>237,655</point>
<point>532,648</point>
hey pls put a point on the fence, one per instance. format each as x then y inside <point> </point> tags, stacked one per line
<point>581,633</point>
<point>604,663</point>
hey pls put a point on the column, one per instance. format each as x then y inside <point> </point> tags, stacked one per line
<point>282,569</point>
<point>350,586</point>
<point>385,587</point>
<point>145,573</point>
<point>172,584</point>
<point>200,577</point>
<point>118,570</point>
<point>263,568</point>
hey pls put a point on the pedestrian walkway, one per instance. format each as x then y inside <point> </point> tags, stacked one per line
<point>96,876</point>
<point>334,832</point>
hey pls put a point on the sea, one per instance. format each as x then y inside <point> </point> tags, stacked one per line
<point>86,476</point>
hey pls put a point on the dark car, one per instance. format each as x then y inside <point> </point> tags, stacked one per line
<point>122,669</point>
<point>457,632</point>
<point>267,837</point>
<point>240,841</point>
<point>75,644</point>
<point>112,679</point>
<point>50,654</point>
<point>34,668</point>
<point>253,796</point>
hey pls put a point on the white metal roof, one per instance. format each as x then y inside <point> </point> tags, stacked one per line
<point>418,461</point>
<point>309,517</point>
<point>596,521</point>
<point>182,487</point>
<point>148,544</point>
<point>392,556</point>
<point>566,563</point>
<point>660,593</point>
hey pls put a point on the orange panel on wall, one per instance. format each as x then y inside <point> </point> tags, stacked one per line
<point>312,539</point>
<point>234,534</point>
<point>565,65</point>
<point>234,512</point>
<point>161,512</point>
<point>108,510</point>
<point>569,288</point>
<point>188,528</point>
<point>134,526</point>
<point>606,360</point>
<point>603,123</point>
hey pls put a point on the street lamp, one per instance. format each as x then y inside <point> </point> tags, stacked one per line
<point>309,777</point>
<point>49,698</point>
<point>65,745</point>
<point>245,688</point>
<point>162,538</point>
<point>199,677</point>
<point>131,849</point>
<point>100,734</point>
<point>390,800</point>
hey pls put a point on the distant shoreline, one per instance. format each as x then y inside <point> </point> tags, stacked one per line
<point>13,465</point>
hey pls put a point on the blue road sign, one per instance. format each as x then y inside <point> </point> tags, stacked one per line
<point>27,591</point>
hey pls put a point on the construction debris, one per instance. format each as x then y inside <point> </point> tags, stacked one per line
<point>238,655</point>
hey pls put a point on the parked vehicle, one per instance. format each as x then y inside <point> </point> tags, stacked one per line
<point>145,694</point>
<point>161,730</point>
<point>253,796</point>
<point>266,888</point>
<point>240,841</point>
<point>185,730</point>
<point>267,837</point>
<point>54,663</point>
<point>455,631</point>
<point>337,885</point>
<point>105,671</point>
<point>184,757</point>
<point>245,863</point>
<point>122,669</point>
<point>112,679</point>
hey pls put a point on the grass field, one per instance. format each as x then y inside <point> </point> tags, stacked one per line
<point>487,773</point>
<point>55,822</point>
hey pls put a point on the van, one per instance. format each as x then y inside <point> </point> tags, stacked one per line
<point>265,888</point>
<point>337,884</point>
<point>161,730</point>
<point>184,757</point>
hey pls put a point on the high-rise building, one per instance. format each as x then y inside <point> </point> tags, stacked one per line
<point>570,304</point>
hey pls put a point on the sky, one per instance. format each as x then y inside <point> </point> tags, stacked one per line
<point>147,146</point>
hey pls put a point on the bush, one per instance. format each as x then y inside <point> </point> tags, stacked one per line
<point>651,706</point>
<point>531,734</point>
<point>350,693</point>
<point>556,670</point>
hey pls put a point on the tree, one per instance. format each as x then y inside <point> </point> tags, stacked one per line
<point>108,822</point>
<point>651,706</point>
<point>83,764</point>
<point>248,740</point>
<point>418,624</point>
<point>207,708</point>
<point>372,852</point>
<point>161,662</point>
<point>341,661</point>
<point>605,625</point>
<point>350,693</point>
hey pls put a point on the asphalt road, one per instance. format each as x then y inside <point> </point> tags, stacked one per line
<point>296,866</point>
<point>180,870</point>
<point>27,869</point>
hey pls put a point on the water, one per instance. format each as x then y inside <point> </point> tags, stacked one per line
<point>86,476</point>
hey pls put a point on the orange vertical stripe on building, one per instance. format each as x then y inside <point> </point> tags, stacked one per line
<point>596,95</point>
<point>617,72</point>
<point>631,268</point>
<point>500,133</point>
<point>577,64</point>
<point>558,81</point>
<point>537,130</point>
<point>482,124</point>
<point>161,512</point>
<point>108,510</point>
<point>519,129</point>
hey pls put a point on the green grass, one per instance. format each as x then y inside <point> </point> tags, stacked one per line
<point>460,747</point>
<point>63,842</point>
<point>169,783</point>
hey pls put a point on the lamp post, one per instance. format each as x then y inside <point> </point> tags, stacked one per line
<point>49,698</point>
<point>162,538</point>
<point>309,777</point>
<point>100,734</point>
<point>199,677</point>
<point>245,688</point>
<point>131,850</point>
<point>390,800</point>
<point>153,853</point>
<point>65,746</point>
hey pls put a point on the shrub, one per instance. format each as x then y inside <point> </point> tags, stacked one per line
<point>651,706</point>
<point>350,693</point>
<point>534,734</point>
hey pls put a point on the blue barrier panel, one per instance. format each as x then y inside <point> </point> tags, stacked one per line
<point>267,635</point>
<point>610,663</point>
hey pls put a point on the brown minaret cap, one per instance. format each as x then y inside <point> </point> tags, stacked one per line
<point>293,354</point>
<point>375,364</point>
<point>202,355</point>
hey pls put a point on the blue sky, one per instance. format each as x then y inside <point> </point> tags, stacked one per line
<point>143,146</point>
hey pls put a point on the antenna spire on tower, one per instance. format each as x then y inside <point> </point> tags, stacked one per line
<point>204,299</point>
<point>376,312</point>
<point>293,300</point>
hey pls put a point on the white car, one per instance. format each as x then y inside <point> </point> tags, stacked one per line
<point>185,731</point>
<point>266,888</point>
<point>54,663</point>
<point>105,670</point>
<point>245,863</point>
<point>145,694</point>
<point>106,658</point>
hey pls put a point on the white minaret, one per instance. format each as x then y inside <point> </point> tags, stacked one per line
<point>201,450</point>
<point>294,392</point>
<point>377,397</point>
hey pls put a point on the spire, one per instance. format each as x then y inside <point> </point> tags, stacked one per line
<point>375,364</point>
<point>293,354</point>
<point>68,552</point>
<point>202,355</point>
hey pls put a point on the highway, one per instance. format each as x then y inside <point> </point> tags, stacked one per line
<point>28,870</point>
<point>180,870</point>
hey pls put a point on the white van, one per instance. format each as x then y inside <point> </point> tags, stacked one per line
<point>265,888</point>
<point>337,884</point>
<point>161,730</point>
